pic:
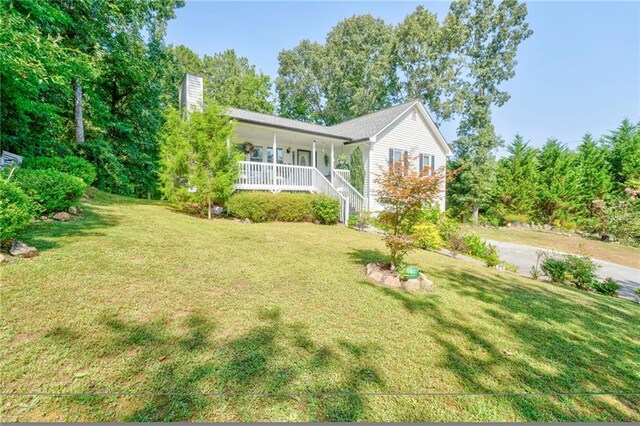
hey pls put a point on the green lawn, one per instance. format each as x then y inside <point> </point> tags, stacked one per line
<point>611,252</point>
<point>138,312</point>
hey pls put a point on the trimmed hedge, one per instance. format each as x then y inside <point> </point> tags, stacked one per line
<point>284,207</point>
<point>75,166</point>
<point>50,190</point>
<point>16,210</point>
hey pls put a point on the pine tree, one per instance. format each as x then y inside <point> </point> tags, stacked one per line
<point>624,154</point>
<point>557,184</point>
<point>517,177</point>
<point>595,175</point>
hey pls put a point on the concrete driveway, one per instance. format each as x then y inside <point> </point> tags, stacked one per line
<point>524,257</point>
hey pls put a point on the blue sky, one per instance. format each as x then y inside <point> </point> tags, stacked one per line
<point>578,73</point>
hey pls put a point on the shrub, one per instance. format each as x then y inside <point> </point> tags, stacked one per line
<point>327,210</point>
<point>569,269</point>
<point>516,219</point>
<point>16,210</point>
<point>609,286</point>
<point>285,207</point>
<point>428,236</point>
<point>75,166</point>
<point>50,190</point>
<point>455,241</point>
<point>491,256</point>
<point>360,220</point>
<point>476,246</point>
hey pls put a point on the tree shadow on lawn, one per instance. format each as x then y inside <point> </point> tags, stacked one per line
<point>48,235</point>
<point>561,346</point>
<point>275,364</point>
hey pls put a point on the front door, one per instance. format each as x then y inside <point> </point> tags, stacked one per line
<point>304,158</point>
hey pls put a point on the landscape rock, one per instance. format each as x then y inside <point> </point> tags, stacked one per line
<point>62,216</point>
<point>412,284</point>
<point>376,276</point>
<point>1,257</point>
<point>73,210</point>
<point>18,248</point>
<point>246,220</point>
<point>392,281</point>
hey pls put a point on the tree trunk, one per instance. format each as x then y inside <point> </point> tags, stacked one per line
<point>209,204</point>
<point>476,210</point>
<point>77,103</point>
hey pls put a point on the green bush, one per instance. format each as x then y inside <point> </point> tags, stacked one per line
<point>75,166</point>
<point>327,209</point>
<point>16,210</point>
<point>360,220</point>
<point>491,256</point>
<point>428,236</point>
<point>455,242</point>
<point>569,269</point>
<point>609,287</point>
<point>476,246</point>
<point>50,190</point>
<point>285,206</point>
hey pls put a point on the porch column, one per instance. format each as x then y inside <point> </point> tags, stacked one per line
<point>369,177</point>
<point>331,165</point>
<point>275,156</point>
<point>313,155</point>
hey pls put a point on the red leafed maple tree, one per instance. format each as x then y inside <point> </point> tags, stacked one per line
<point>403,192</point>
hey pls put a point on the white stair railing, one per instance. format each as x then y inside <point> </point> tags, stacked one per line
<point>343,173</point>
<point>323,186</point>
<point>356,199</point>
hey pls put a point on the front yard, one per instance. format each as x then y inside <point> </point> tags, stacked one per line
<point>138,312</point>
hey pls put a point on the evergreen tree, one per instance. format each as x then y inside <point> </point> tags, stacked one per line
<point>557,186</point>
<point>624,154</point>
<point>594,173</point>
<point>196,161</point>
<point>516,178</point>
<point>356,166</point>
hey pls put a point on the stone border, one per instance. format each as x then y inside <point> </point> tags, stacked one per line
<point>377,273</point>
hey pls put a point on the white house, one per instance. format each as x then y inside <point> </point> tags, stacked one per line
<point>306,154</point>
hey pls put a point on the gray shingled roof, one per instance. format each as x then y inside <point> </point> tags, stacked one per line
<point>370,124</point>
<point>352,130</point>
<point>286,123</point>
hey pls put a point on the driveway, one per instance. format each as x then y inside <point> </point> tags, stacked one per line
<point>524,257</point>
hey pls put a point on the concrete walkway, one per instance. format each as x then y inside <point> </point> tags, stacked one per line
<point>524,257</point>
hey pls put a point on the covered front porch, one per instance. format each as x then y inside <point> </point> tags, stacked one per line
<point>283,160</point>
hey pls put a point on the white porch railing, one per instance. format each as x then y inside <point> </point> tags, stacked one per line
<point>344,174</point>
<point>274,177</point>
<point>323,186</point>
<point>356,199</point>
<point>283,177</point>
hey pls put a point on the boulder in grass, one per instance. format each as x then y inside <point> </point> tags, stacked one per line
<point>62,216</point>
<point>1,257</point>
<point>73,210</point>
<point>18,248</point>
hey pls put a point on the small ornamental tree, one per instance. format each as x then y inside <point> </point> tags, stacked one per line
<point>197,160</point>
<point>356,166</point>
<point>404,192</point>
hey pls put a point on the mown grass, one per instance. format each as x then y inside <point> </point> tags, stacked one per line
<point>138,312</point>
<point>611,252</point>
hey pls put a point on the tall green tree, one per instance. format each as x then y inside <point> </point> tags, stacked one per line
<point>352,74</point>
<point>624,154</point>
<point>493,32</point>
<point>424,52</point>
<point>197,163</point>
<point>301,82</point>
<point>594,173</point>
<point>558,184</point>
<point>517,177</point>
<point>231,80</point>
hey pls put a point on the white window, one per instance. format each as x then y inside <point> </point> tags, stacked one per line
<point>426,160</point>
<point>256,154</point>
<point>280,157</point>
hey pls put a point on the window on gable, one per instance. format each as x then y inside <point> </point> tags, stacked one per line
<point>427,164</point>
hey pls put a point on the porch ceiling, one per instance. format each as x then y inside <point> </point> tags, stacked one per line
<point>264,135</point>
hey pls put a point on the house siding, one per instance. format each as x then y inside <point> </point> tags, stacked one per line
<point>409,133</point>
